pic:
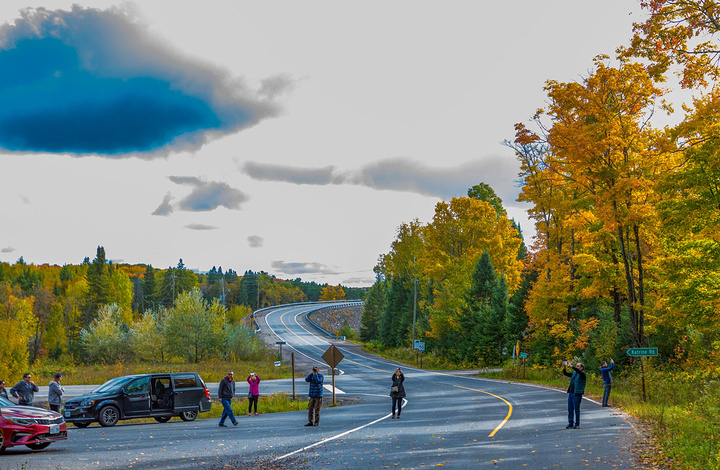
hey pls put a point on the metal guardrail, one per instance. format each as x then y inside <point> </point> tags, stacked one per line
<point>346,303</point>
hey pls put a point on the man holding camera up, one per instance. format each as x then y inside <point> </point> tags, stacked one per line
<point>315,393</point>
<point>575,392</point>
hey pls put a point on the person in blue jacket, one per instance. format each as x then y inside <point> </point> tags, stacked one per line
<point>575,392</point>
<point>607,380</point>
<point>315,394</point>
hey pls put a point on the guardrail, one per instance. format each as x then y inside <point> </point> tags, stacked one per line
<point>309,317</point>
<point>338,303</point>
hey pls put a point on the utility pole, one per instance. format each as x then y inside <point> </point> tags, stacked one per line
<point>415,283</point>
<point>258,293</point>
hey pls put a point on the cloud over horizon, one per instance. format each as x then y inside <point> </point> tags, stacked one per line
<point>90,81</point>
<point>205,196</point>
<point>302,268</point>
<point>403,174</point>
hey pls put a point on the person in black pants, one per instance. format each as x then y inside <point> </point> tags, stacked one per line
<point>397,392</point>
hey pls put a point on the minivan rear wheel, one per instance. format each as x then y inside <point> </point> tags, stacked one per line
<point>81,425</point>
<point>162,419</point>
<point>188,415</point>
<point>108,416</point>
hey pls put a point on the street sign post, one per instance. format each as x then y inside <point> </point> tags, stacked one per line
<point>280,343</point>
<point>642,353</point>
<point>332,357</point>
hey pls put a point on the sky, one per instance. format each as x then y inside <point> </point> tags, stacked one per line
<point>287,137</point>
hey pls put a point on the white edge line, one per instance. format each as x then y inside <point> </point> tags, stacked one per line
<point>302,449</point>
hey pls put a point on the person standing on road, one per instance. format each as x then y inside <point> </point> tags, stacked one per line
<point>315,393</point>
<point>607,380</point>
<point>3,390</point>
<point>575,392</point>
<point>55,392</point>
<point>254,392</point>
<point>397,392</point>
<point>226,392</point>
<point>25,390</point>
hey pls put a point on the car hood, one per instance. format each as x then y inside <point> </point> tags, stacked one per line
<point>27,412</point>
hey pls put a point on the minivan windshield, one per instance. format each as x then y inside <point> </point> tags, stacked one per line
<point>112,385</point>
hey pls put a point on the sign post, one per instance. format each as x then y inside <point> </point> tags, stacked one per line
<point>332,357</point>
<point>642,352</point>
<point>419,347</point>
<point>523,356</point>
<point>280,343</point>
<point>292,362</point>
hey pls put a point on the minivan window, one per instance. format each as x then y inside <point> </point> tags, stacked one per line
<point>139,385</point>
<point>185,381</point>
<point>112,385</point>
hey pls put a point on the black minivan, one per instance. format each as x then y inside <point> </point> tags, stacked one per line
<point>159,396</point>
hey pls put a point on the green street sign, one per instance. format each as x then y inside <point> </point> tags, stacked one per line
<point>523,354</point>
<point>635,352</point>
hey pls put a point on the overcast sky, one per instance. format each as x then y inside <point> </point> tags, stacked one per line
<point>292,137</point>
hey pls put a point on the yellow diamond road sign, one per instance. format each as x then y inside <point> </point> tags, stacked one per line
<point>332,356</point>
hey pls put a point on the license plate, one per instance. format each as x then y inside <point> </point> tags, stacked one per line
<point>54,429</point>
<point>67,414</point>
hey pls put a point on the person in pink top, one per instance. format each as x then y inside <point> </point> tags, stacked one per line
<point>254,392</point>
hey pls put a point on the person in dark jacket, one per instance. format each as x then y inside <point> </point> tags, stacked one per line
<point>575,392</point>
<point>3,390</point>
<point>55,392</point>
<point>607,380</point>
<point>397,392</point>
<point>315,394</point>
<point>226,392</point>
<point>25,390</point>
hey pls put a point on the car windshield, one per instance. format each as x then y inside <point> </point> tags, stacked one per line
<point>112,385</point>
<point>4,402</point>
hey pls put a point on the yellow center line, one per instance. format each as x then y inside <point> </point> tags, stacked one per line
<point>510,408</point>
<point>312,345</point>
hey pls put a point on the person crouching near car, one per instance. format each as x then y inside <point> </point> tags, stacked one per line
<point>55,392</point>
<point>315,394</point>
<point>25,390</point>
<point>254,392</point>
<point>226,392</point>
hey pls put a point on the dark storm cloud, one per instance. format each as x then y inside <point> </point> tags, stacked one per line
<point>255,241</point>
<point>205,196</point>
<point>404,174</point>
<point>200,227</point>
<point>89,81</point>
<point>302,268</point>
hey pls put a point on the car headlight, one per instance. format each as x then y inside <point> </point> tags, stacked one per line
<point>87,403</point>
<point>21,421</point>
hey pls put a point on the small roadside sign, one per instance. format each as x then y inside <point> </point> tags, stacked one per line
<point>277,363</point>
<point>420,346</point>
<point>638,352</point>
<point>523,354</point>
<point>332,356</point>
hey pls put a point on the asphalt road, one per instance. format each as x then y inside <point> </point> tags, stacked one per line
<point>449,420</point>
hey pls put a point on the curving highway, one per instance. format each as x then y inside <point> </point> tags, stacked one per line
<point>448,420</point>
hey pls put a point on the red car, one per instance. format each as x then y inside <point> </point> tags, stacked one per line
<point>36,428</point>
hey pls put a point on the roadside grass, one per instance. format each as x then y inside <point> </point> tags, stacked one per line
<point>272,403</point>
<point>210,371</point>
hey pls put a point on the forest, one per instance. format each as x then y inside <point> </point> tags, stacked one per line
<point>627,219</point>
<point>99,312</point>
